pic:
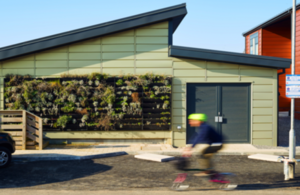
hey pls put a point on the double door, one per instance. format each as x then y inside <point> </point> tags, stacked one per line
<point>227,107</point>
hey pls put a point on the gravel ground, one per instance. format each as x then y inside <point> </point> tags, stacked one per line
<point>283,134</point>
<point>128,173</point>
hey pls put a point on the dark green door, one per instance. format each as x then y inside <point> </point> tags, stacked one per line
<point>227,107</point>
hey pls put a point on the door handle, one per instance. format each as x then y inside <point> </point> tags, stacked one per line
<point>218,119</point>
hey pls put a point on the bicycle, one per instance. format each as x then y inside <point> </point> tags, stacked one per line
<point>218,178</point>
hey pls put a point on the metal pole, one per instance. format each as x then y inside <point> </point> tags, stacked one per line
<point>292,137</point>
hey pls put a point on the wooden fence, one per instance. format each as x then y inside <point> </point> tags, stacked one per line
<point>25,128</point>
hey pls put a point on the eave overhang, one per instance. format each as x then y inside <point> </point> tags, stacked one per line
<point>229,57</point>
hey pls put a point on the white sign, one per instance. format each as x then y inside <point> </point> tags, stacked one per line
<point>292,86</point>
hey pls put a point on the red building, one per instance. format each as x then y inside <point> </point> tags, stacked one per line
<point>273,38</point>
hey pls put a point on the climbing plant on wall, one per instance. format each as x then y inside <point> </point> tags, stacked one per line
<point>93,102</point>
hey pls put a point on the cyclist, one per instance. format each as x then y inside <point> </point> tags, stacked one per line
<point>205,142</point>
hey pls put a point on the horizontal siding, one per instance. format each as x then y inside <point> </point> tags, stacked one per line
<point>190,65</point>
<point>153,63</point>
<point>188,73</point>
<point>118,71</point>
<point>179,135</point>
<point>152,48</point>
<point>118,63</point>
<point>51,64</point>
<point>262,142</point>
<point>263,119</point>
<point>263,127</point>
<point>164,71</point>
<point>84,56</point>
<point>179,143</point>
<point>85,64</point>
<point>262,103</point>
<point>18,64</point>
<point>152,32</point>
<point>262,134</point>
<point>84,70</point>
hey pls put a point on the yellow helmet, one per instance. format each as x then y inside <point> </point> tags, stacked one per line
<point>198,116</point>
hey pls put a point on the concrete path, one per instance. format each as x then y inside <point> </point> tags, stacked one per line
<point>105,150</point>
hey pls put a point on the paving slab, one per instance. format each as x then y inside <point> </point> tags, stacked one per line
<point>154,157</point>
<point>266,157</point>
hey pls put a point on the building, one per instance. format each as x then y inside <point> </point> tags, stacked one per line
<point>273,38</point>
<point>237,91</point>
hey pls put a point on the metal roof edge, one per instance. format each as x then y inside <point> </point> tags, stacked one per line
<point>229,57</point>
<point>271,20</point>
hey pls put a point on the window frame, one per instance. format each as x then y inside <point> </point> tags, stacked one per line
<point>253,46</point>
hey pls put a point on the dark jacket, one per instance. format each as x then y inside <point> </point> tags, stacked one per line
<point>206,135</point>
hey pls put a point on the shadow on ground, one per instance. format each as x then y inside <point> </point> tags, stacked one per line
<point>127,173</point>
<point>29,174</point>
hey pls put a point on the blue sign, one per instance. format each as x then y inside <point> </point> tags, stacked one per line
<point>292,86</point>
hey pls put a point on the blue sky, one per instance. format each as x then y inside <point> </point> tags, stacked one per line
<point>210,24</point>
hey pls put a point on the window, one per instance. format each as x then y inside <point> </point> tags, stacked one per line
<point>254,44</point>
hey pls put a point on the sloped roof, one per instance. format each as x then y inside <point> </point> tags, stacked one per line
<point>174,13</point>
<point>287,13</point>
<point>229,57</point>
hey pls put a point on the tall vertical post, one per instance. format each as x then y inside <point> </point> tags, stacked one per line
<point>292,137</point>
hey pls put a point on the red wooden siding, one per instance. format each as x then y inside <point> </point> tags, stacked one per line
<point>276,42</point>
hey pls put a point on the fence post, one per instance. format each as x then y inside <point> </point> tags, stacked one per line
<point>24,136</point>
<point>40,134</point>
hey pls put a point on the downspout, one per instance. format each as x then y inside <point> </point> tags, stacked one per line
<point>283,72</point>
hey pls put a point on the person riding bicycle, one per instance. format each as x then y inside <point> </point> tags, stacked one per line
<point>205,142</point>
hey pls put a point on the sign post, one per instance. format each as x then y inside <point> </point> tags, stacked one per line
<point>292,88</point>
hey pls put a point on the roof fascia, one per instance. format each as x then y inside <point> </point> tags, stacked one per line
<point>175,12</point>
<point>229,57</point>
